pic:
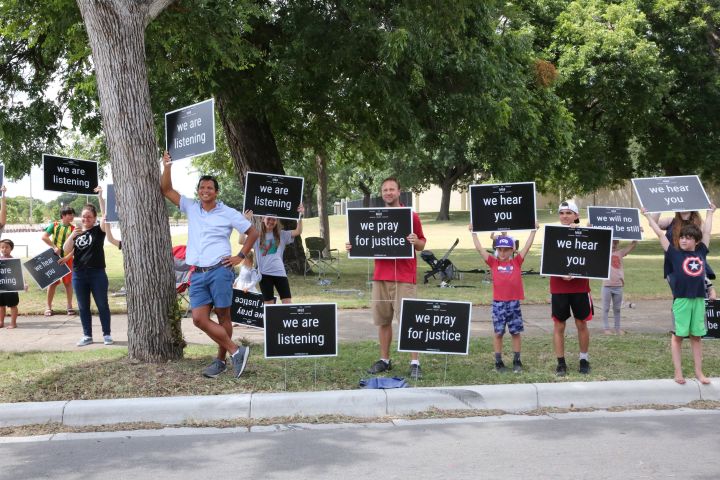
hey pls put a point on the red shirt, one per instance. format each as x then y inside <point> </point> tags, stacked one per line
<point>506,278</point>
<point>576,285</point>
<point>402,270</point>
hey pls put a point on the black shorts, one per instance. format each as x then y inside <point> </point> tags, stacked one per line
<point>268,282</point>
<point>9,299</point>
<point>580,303</point>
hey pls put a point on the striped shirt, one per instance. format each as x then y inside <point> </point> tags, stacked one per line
<point>59,232</point>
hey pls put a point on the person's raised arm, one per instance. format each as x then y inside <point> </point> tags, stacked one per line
<point>101,213</point>
<point>108,233</point>
<point>166,186</point>
<point>3,207</point>
<point>707,225</point>
<point>529,242</point>
<point>663,223</point>
<point>298,230</point>
<point>478,246</point>
<point>629,248</point>
<point>664,242</point>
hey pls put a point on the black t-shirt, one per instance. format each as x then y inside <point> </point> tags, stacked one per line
<point>689,271</point>
<point>89,251</point>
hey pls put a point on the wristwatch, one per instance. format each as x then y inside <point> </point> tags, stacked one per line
<point>241,255</point>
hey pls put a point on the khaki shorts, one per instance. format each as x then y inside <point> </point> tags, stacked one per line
<point>387,300</point>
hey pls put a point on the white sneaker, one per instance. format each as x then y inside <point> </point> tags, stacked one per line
<point>107,340</point>
<point>84,341</point>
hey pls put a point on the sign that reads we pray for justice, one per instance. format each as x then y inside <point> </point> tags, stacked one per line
<point>380,232</point>
<point>301,330</point>
<point>111,215</point>
<point>625,222</point>
<point>11,277</point>
<point>712,318</point>
<point>501,207</point>
<point>273,195</point>
<point>190,131</point>
<point>247,308</point>
<point>434,326</point>
<point>671,194</point>
<point>579,252</point>
<point>45,269</point>
<point>69,175</point>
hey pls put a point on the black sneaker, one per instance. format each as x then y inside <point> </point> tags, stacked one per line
<point>561,370</point>
<point>517,366</point>
<point>415,371</point>
<point>500,367</point>
<point>380,366</point>
<point>585,367</point>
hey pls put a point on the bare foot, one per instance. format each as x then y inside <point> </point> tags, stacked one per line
<point>619,332</point>
<point>679,379</point>
<point>12,326</point>
<point>608,332</point>
<point>703,379</point>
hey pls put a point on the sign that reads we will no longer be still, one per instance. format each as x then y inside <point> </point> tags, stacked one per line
<point>190,131</point>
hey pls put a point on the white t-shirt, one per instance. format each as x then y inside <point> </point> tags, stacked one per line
<point>269,254</point>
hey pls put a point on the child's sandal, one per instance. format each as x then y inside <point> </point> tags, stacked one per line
<point>48,312</point>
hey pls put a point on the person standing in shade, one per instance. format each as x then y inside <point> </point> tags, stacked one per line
<point>393,280</point>
<point>570,296</point>
<point>55,236</point>
<point>86,244</point>
<point>210,224</point>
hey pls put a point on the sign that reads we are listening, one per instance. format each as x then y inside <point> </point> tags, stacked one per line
<point>301,330</point>
<point>69,175</point>
<point>190,131</point>
<point>273,195</point>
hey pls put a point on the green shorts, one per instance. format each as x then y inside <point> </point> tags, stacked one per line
<point>689,317</point>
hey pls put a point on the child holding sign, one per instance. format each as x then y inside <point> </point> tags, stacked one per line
<point>688,267</point>
<point>270,247</point>
<point>612,288</point>
<point>507,293</point>
<point>8,299</point>
<point>570,295</point>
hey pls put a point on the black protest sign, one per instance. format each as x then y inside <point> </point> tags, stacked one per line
<point>69,175</point>
<point>247,309</point>
<point>273,195</point>
<point>301,330</point>
<point>45,269</point>
<point>11,277</point>
<point>190,131</point>
<point>380,232</point>
<point>579,252</point>
<point>671,194</point>
<point>712,318</point>
<point>434,326</point>
<point>501,207</point>
<point>625,222</point>
<point>111,213</point>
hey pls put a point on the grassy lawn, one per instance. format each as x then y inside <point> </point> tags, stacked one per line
<point>643,269</point>
<point>46,376</point>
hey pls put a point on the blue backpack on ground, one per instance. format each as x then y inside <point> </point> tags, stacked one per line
<point>383,382</point>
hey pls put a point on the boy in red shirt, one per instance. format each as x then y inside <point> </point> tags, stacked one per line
<point>507,293</point>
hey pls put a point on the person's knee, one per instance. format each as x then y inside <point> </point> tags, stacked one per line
<point>223,314</point>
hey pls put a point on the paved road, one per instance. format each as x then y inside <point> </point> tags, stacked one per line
<point>60,332</point>
<point>632,445</point>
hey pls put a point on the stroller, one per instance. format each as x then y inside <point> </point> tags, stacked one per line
<point>445,268</point>
<point>183,272</point>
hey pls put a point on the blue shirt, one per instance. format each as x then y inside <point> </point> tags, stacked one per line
<point>689,271</point>
<point>209,232</point>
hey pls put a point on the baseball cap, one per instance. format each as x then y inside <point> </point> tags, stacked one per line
<point>569,205</point>
<point>504,242</point>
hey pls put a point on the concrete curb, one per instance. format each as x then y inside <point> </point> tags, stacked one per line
<point>514,398</point>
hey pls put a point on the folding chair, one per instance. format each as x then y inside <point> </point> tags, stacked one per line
<point>183,272</point>
<point>317,256</point>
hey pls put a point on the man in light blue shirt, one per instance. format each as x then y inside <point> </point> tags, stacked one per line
<point>210,224</point>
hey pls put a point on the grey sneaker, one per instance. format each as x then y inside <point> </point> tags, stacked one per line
<point>107,340</point>
<point>517,366</point>
<point>216,368</point>
<point>84,341</point>
<point>380,366</point>
<point>239,360</point>
<point>415,371</point>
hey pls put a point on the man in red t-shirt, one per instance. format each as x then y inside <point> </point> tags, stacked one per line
<point>570,294</point>
<point>393,280</point>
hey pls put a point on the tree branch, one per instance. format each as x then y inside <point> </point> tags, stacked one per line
<point>155,7</point>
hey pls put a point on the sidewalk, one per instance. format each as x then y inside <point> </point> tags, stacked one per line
<point>60,332</point>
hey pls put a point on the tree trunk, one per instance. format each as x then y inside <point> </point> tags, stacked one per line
<point>116,30</point>
<point>446,184</point>
<point>322,195</point>
<point>253,149</point>
<point>366,193</point>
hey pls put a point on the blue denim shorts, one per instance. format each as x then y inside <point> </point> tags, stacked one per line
<point>212,288</point>
<point>507,313</point>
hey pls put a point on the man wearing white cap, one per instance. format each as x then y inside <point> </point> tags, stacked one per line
<point>570,295</point>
